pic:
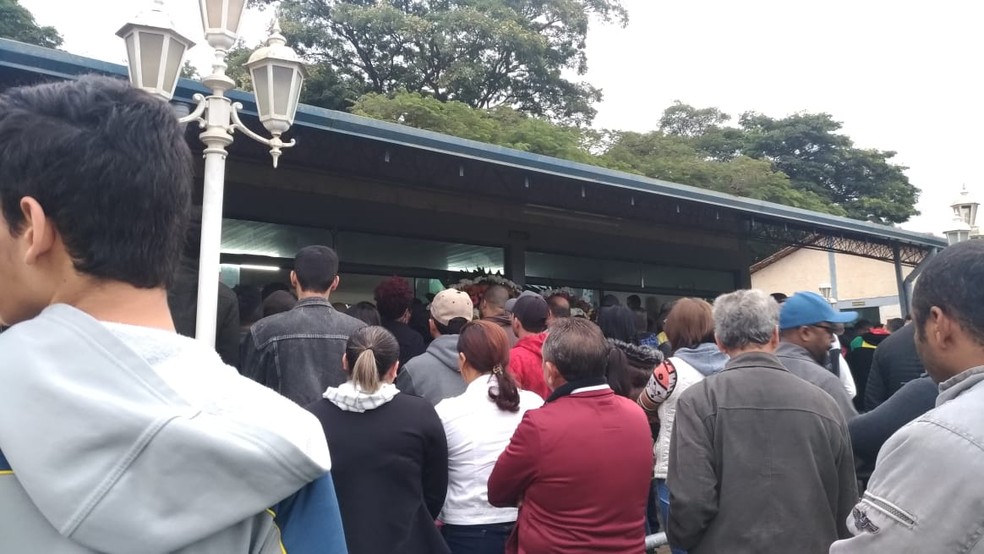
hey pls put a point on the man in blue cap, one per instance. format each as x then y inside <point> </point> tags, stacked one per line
<point>808,325</point>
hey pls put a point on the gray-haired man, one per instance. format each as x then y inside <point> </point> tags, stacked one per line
<point>760,460</point>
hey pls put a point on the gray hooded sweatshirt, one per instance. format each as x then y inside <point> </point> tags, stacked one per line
<point>434,375</point>
<point>103,450</point>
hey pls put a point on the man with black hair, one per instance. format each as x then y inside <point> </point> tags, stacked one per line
<point>493,308</point>
<point>118,434</point>
<point>435,374</point>
<point>580,465</point>
<point>298,353</point>
<point>925,494</point>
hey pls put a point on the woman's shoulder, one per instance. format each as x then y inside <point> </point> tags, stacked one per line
<point>529,400</point>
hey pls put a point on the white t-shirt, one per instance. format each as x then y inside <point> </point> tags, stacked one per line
<point>477,433</point>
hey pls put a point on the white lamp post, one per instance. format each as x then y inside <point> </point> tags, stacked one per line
<point>156,52</point>
<point>825,290</point>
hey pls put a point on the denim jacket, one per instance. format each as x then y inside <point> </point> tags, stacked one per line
<point>299,353</point>
<point>926,493</point>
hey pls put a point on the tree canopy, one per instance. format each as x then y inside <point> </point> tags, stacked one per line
<point>17,23</point>
<point>483,53</point>
<point>799,161</point>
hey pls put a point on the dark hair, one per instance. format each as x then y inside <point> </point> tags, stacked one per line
<point>951,282</point>
<point>278,302</point>
<point>634,302</point>
<point>895,324</point>
<point>779,297</point>
<point>618,322</point>
<point>578,349</point>
<point>609,300</point>
<point>486,347</point>
<point>496,295</point>
<point>271,288</point>
<point>393,298</point>
<point>110,166</point>
<point>370,353</point>
<point>365,312</point>
<point>453,327</point>
<point>639,362</point>
<point>316,267</point>
<point>862,324</point>
<point>617,373</point>
<point>690,323</point>
<point>556,309</point>
<point>250,303</point>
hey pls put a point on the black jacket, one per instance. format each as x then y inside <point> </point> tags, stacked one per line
<point>411,342</point>
<point>390,467</point>
<point>182,299</point>
<point>895,364</point>
<point>860,360</point>
<point>870,430</point>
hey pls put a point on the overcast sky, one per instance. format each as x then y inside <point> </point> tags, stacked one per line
<point>901,75</point>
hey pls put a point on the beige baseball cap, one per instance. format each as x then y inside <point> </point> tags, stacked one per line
<point>451,303</point>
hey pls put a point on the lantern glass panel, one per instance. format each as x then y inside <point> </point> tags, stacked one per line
<point>131,56</point>
<point>283,80</point>
<point>235,8</point>
<point>261,86</point>
<point>175,52</point>
<point>213,13</point>
<point>151,54</point>
<point>295,95</point>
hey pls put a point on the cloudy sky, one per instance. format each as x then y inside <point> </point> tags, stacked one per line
<point>901,75</point>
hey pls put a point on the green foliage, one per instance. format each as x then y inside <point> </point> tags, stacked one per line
<point>483,53</point>
<point>799,161</point>
<point>817,158</point>
<point>17,23</point>
<point>503,126</point>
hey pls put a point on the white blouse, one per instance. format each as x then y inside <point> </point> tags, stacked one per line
<point>477,434</point>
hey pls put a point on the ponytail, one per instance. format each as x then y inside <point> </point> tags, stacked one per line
<point>370,354</point>
<point>506,393</point>
<point>365,374</point>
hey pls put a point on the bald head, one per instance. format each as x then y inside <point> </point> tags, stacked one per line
<point>494,301</point>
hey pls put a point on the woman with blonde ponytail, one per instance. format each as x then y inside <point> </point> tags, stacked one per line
<point>389,453</point>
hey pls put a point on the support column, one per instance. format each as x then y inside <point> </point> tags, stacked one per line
<point>515,257</point>
<point>900,282</point>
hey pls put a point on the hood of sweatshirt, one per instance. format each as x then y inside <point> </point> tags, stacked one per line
<point>126,463</point>
<point>445,349</point>
<point>533,343</point>
<point>707,358</point>
<point>875,336</point>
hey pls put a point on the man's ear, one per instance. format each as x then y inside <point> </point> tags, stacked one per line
<point>293,280</point>
<point>552,375</point>
<point>940,328</point>
<point>334,283</point>
<point>37,230</point>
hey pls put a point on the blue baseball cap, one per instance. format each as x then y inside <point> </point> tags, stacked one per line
<point>809,308</point>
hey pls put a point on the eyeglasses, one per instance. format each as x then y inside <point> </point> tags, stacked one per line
<point>833,330</point>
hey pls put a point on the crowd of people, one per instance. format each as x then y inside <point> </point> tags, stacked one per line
<point>510,425</point>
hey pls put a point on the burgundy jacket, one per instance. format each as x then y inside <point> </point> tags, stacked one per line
<point>526,364</point>
<point>581,466</point>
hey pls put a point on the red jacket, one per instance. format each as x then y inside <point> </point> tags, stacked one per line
<point>581,466</point>
<point>526,364</point>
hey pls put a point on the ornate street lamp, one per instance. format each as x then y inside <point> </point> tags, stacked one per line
<point>826,290</point>
<point>156,52</point>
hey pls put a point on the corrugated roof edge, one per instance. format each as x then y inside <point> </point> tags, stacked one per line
<point>62,64</point>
